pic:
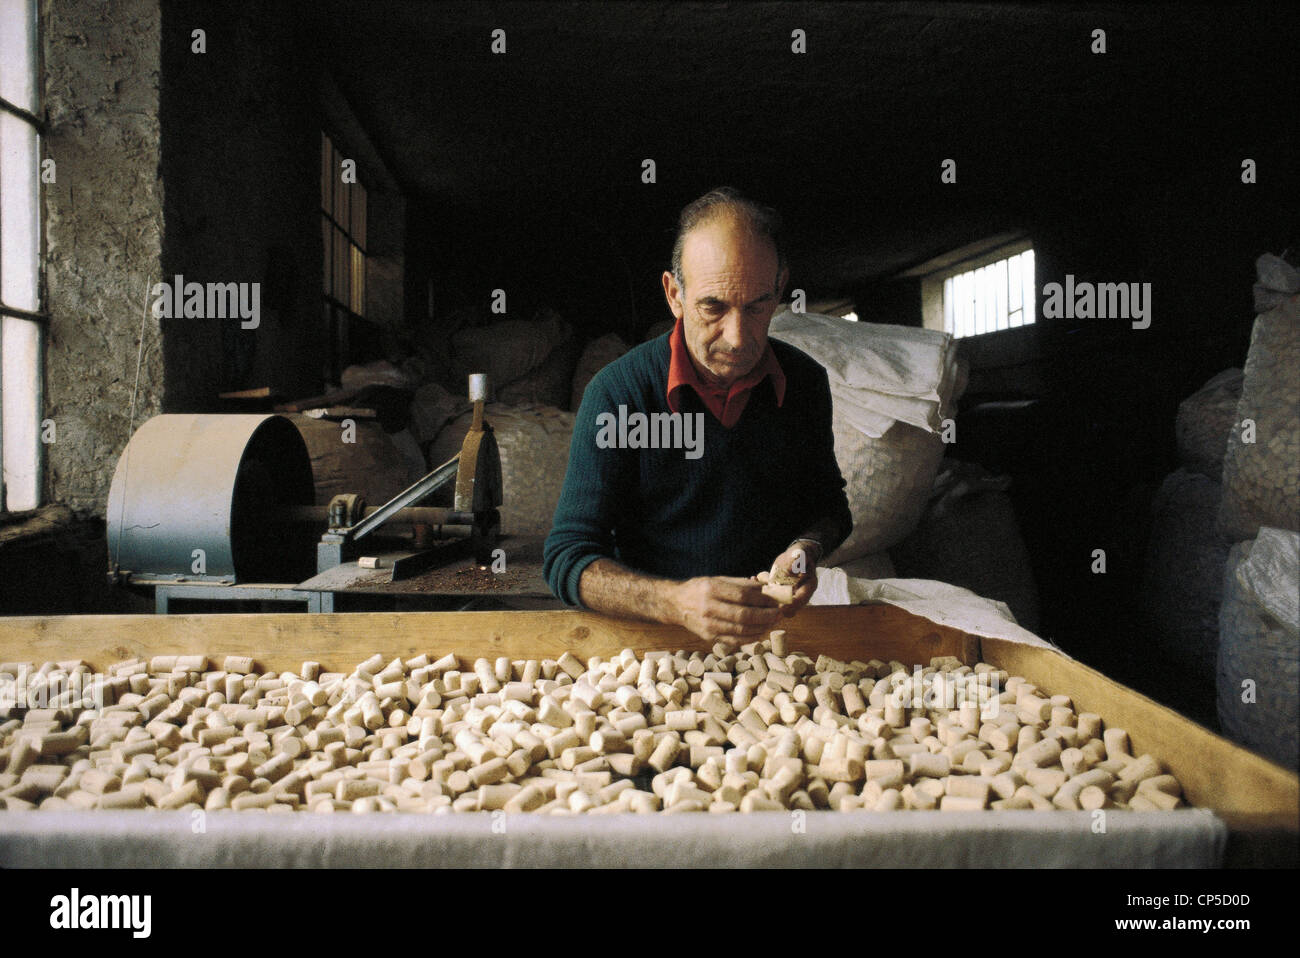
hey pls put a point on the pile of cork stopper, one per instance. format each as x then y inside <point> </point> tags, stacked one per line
<point>757,728</point>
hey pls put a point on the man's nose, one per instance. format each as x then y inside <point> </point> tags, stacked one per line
<point>733,331</point>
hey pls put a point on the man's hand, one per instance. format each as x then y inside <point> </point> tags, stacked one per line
<point>797,567</point>
<point>724,609</point>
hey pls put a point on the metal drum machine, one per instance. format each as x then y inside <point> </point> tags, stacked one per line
<point>222,507</point>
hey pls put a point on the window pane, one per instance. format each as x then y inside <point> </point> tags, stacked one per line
<point>1000,294</point>
<point>19,226</point>
<point>358,227</point>
<point>947,306</point>
<point>957,327</point>
<point>341,269</point>
<point>18,53</point>
<point>342,199</point>
<point>20,347</point>
<point>358,303</point>
<point>965,301</point>
<point>990,300</point>
<point>991,297</point>
<point>972,303</point>
<point>1027,272</point>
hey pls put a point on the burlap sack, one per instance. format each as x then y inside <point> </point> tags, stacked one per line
<point>534,445</point>
<point>372,466</point>
<point>1184,572</point>
<point>1259,646</point>
<point>1204,421</point>
<point>1261,479</point>
<point>888,482</point>
<point>598,354</point>
<point>507,350</point>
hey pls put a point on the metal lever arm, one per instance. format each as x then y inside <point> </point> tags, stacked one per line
<point>408,496</point>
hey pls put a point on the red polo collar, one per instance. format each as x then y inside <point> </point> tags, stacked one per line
<point>726,403</point>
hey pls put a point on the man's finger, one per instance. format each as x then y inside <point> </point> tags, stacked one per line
<point>734,635</point>
<point>783,568</point>
<point>741,615</point>
<point>745,592</point>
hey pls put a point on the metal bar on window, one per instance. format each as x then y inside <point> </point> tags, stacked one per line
<point>24,314</point>
<point>994,296</point>
<point>343,235</point>
<point>22,114</point>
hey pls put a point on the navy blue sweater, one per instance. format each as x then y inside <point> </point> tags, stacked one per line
<point>731,511</point>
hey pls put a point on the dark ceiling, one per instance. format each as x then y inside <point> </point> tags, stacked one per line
<point>846,139</point>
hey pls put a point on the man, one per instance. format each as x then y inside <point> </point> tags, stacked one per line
<point>750,479</point>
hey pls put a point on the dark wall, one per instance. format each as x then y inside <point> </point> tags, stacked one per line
<point>1088,454</point>
<point>241,173</point>
<point>53,563</point>
<point>542,255</point>
<point>524,176</point>
<point>893,301</point>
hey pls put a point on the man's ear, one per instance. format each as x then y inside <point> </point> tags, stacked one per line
<point>673,293</point>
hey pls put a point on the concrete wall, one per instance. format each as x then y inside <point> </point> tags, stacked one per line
<point>103,233</point>
<point>103,223</point>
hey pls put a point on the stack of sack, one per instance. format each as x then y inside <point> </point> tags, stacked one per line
<point>892,387</point>
<point>533,436</point>
<point>598,354</point>
<point>1183,577</point>
<point>1259,668</point>
<point>526,361</point>
<point>1261,485</point>
<point>1259,626</point>
<point>969,536</point>
<point>371,464</point>
<point>533,442</point>
<point>1204,421</point>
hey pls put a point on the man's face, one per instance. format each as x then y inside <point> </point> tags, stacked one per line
<point>732,290</point>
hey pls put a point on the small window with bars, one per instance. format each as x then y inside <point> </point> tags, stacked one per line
<point>343,235</point>
<point>990,297</point>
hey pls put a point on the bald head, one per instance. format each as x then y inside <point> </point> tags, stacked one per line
<point>730,205</point>
<point>726,282</point>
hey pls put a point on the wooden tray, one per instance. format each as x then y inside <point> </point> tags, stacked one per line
<point>1259,801</point>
